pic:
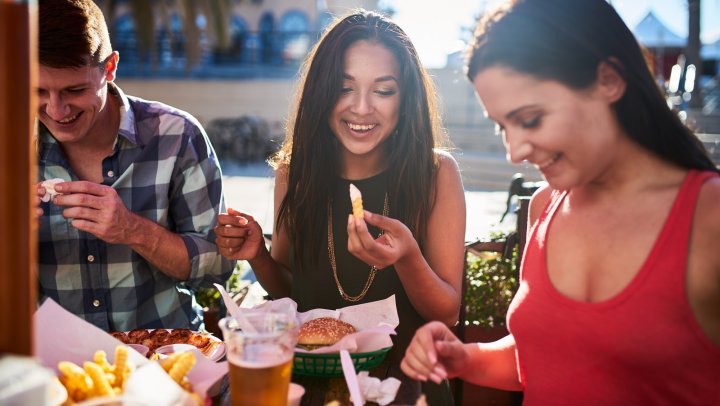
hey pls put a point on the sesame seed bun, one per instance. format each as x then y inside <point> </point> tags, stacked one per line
<point>323,331</point>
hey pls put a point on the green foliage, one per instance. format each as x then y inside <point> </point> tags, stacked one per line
<point>491,284</point>
<point>209,298</point>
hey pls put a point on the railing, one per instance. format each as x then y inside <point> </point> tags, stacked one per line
<point>251,55</point>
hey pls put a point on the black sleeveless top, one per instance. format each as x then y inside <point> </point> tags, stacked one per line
<point>314,286</point>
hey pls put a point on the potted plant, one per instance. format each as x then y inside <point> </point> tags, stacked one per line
<point>211,302</point>
<point>491,282</point>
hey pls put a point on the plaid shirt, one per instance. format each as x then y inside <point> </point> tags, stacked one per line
<point>164,169</point>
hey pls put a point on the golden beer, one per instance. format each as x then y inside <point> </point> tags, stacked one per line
<point>260,348</point>
<point>258,384</point>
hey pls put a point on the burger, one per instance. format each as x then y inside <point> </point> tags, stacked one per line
<point>322,332</point>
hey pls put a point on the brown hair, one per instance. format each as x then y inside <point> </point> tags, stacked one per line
<point>72,34</point>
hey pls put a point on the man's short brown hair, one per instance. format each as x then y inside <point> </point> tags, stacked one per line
<point>72,34</point>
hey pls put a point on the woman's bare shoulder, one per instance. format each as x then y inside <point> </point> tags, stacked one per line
<point>708,209</point>
<point>447,164</point>
<point>538,201</point>
<point>448,171</point>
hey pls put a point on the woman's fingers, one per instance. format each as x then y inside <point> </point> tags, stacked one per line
<point>233,220</point>
<point>231,231</point>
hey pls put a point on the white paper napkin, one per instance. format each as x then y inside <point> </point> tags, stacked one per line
<point>374,390</point>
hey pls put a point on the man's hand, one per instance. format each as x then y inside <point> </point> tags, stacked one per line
<point>98,210</point>
<point>40,191</point>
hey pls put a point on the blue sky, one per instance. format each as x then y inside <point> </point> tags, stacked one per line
<point>435,26</point>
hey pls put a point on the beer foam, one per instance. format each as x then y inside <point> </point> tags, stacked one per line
<point>258,356</point>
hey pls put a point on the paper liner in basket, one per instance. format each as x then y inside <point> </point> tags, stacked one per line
<point>62,336</point>
<point>375,321</point>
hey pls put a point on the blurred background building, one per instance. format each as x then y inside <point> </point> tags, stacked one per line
<point>234,65</point>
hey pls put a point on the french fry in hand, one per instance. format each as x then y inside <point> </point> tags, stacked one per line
<point>357,203</point>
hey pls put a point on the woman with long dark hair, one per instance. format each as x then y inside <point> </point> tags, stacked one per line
<point>365,114</point>
<point>619,300</point>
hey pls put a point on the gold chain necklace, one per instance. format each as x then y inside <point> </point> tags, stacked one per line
<point>331,256</point>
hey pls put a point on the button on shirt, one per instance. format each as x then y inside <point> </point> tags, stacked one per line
<point>164,168</point>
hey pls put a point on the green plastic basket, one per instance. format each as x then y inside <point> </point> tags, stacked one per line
<point>329,365</point>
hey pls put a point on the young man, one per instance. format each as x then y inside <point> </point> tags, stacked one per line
<point>130,237</point>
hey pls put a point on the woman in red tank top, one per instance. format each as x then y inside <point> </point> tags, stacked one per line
<point>619,301</point>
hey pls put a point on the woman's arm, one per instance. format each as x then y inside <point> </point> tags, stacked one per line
<point>240,237</point>
<point>433,282</point>
<point>703,269</point>
<point>272,269</point>
<point>436,354</point>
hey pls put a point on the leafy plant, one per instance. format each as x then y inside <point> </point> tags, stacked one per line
<point>492,281</point>
<point>209,298</point>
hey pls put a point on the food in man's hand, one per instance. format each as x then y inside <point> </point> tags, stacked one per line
<point>356,199</point>
<point>50,191</point>
<point>322,332</point>
<point>160,337</point>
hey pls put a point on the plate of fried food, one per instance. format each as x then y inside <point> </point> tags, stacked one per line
<point>212,347</point>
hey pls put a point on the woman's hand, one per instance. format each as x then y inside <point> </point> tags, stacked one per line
<point>392,246</point>
<point>434,353</point>
<point>238,235</point>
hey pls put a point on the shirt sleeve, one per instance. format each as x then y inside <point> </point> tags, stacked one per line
<point>196,200</point>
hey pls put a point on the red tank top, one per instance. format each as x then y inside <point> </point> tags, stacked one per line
<point>641,347</point>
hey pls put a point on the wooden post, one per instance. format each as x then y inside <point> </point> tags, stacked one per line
<point>18,227</point>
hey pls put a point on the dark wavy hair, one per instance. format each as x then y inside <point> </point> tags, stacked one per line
<point>72,34</point>
<point>310,151</point>
<point>565,41</point>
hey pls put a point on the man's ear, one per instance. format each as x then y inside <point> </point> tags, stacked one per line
<point>111,65</point>
<point>610,82</point>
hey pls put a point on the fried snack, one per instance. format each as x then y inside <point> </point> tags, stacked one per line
<point>101,385</point>
<point>50,191</point>
<point>120,336</point>
<point>136,336</point>
<point>356,199</point>
<point>100,358</point>
<point>200,341</point>
<point>77,383</point>
<point>99,378</point>
<point>170,361</point>
<point>159,337</point>
<point>182,366</point>
<point>180,335</point>
<point>121,369</point>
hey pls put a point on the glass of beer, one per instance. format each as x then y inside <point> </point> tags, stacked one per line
<point>260,348</point>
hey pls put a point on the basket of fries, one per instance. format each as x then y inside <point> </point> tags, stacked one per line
<point>329,365</point>
<point>99,382</point>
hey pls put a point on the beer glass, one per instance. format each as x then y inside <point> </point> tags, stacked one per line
<point>260,348</point>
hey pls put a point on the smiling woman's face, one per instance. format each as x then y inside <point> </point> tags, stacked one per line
<point>367,110</point>
<point>569,135</point>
